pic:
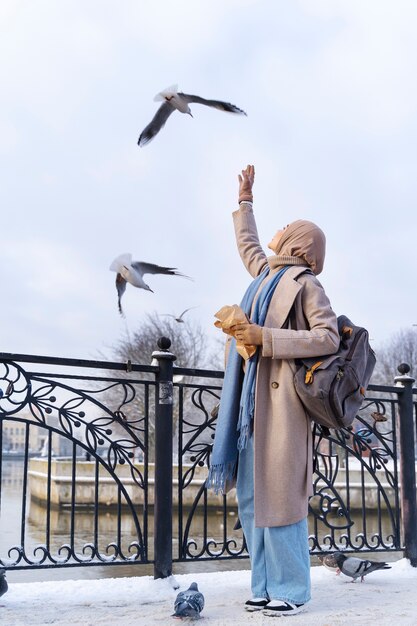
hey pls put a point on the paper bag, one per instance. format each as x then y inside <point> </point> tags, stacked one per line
<point>229,316</point>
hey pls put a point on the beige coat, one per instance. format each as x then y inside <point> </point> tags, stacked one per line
<point>282,429</point>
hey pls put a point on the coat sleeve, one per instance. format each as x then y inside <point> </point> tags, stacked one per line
<point>247,239</point>
<point>321,337</point>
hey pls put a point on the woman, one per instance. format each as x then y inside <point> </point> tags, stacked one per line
<point>263,436</point>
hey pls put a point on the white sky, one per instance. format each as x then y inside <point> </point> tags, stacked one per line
<point>330,91</point>
<point>386,597</point>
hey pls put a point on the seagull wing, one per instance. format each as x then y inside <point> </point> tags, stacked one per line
<point>156,124</point>
<point>217,104</point>
<point>150,268</point>
<point>120,261</point>
<point>121,288</point>
<point>184,312</point>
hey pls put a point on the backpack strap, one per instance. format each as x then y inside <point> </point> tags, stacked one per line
<point>323,431</point>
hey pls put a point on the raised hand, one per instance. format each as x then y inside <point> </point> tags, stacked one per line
<point>246,180</point>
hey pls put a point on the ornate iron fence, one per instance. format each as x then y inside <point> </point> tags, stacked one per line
<point>96,455</point>
<point>356,503</point>
<point>66,436</point>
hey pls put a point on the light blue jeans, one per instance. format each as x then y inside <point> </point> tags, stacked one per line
<point>279,555</point>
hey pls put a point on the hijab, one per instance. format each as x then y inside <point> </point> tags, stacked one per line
<point>301,243</point>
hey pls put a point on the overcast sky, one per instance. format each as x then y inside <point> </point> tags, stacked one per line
<point>330,90</point>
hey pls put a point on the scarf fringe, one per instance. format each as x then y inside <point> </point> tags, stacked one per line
<point>219,474</point>
<point>244,435</point>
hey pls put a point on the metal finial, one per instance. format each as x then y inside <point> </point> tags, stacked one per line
<point>164,343</point>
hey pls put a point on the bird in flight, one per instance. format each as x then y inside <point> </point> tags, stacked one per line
<point>173,100</point>
<point>180,317</point>
<point>128,271</point>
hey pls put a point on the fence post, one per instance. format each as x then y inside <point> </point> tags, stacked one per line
<point>407,463</point>
<point>163,460</point>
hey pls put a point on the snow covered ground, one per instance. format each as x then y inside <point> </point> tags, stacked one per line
<point>386,597</point>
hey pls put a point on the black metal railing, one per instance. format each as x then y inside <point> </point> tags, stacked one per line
<point>88,459</point>
<point>74,448</point>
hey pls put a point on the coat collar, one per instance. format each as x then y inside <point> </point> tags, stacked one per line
<point>286,293</point>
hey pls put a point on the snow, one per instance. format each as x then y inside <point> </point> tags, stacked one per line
<point>385,597</point>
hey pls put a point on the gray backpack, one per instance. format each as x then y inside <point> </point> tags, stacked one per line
<point>332,388</point>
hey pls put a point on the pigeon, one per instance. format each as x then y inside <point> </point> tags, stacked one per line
<point>329,562</point>
<point>179,318</point>
<point>3,582</point>
<point>357,568</point>
<point>128,271</point>
<point>189,603</point>
<point>174,100</point>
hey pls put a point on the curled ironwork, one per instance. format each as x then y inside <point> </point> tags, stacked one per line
<point>107,419</point>
<point>92,414</point>
<point>355,492</point>
<point>205,521</point>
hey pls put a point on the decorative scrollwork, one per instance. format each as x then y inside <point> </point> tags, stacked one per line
<point>364,491</point>
<point>15,388</point>
<point>73,413</point>
<point>355,470</point>
<point>93,417</point>
<point>354,505</point>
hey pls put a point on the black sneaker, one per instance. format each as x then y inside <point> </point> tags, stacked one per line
<point>256,604</point>
<point>278,608</point>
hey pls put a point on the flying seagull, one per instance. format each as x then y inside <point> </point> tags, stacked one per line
<point>179,318</point>
<point>128,271</point>
<point>189,603</point>
<point>357,568</point>
<point>174,100</point>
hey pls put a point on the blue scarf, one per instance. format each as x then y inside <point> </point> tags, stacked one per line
<point>237,404</point>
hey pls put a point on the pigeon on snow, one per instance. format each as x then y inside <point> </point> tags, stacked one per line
<point>329,562</point>
<point>189,603</point>
<point>3,582</point>
<point>179,318</point>
<point>132,272</point>
<point>357,568</point>
<point>175,100</point>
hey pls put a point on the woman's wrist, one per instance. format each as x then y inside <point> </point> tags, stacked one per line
<point>246,198</point>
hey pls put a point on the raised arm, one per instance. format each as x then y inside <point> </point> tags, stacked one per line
<point>247,239</point>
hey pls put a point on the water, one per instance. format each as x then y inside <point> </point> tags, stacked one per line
<point>60,520</point>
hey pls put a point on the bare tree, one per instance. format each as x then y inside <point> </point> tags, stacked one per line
<point>399,348</point>
<point>188,343</point>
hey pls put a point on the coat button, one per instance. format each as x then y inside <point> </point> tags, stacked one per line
<point>274,385</point>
